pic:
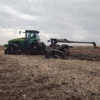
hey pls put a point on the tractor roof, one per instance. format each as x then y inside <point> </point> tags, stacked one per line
<point>34,31</point>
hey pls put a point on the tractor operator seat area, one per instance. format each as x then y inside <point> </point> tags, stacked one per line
<point>31,35</point>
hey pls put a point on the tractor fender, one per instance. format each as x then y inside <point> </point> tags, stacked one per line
<point>34,43</point>
<point>38,44</point>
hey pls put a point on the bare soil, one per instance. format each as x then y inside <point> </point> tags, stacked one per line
<point>26,77</point>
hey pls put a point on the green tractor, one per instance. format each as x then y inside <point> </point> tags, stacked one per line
<point>30,45</point>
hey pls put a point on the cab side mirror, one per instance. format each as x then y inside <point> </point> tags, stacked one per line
<point>19,32</point>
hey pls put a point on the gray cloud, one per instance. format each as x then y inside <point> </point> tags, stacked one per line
<point>70,19</point>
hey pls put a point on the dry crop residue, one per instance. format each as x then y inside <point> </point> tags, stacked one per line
<point>25,77</point>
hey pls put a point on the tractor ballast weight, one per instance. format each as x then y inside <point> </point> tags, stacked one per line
<point>29,45</point>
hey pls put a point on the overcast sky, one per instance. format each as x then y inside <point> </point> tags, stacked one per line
<point>71,19</point>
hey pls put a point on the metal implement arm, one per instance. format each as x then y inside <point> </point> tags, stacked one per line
<point>54,41</point>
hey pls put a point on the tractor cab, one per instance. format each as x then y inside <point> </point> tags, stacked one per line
<point>31,35</point>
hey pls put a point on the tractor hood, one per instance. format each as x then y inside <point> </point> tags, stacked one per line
<point>19,41</point>
<point>16,40</point>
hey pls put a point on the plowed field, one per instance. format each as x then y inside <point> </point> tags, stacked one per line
<point>26,77</point>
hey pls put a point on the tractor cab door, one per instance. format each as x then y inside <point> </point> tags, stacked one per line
<point>30,37</point>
